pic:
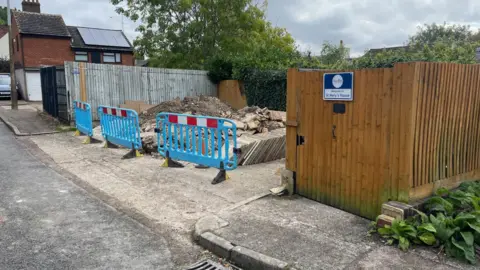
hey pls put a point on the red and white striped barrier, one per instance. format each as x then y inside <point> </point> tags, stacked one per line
<point>115,111</point>
<point>193,121</point>
<point>80,105</point>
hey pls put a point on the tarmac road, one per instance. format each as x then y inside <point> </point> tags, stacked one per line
<point>46,222</point>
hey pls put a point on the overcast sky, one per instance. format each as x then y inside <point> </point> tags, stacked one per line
<point>361,24</point>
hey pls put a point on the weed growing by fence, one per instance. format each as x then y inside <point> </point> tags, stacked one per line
<point>451,222</point>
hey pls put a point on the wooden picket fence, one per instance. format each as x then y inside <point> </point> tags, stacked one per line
<point>409,130</point>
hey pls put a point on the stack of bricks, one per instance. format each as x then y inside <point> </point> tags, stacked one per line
<point>394,210</point>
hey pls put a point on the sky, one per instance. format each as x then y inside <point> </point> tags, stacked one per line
<point>361,24</point>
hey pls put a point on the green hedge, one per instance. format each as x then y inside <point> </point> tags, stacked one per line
<point>266,89</point>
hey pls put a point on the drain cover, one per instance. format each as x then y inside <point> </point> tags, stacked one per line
<point>206,265</point>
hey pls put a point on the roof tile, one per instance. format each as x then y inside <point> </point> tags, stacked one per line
<point>41,24</point>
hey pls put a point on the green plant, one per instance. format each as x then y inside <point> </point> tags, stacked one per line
<point>266,88</point>
<point>452,223</point>
<point>219,69</point>
<point>399,232</point>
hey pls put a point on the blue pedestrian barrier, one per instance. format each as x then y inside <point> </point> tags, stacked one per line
<point>198,139</point>
<point>83,120</point>
<point>121,127</point>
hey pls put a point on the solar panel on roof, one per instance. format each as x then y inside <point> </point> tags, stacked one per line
<point>103,37</point>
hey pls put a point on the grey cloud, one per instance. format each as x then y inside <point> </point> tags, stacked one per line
<point>369,23</point>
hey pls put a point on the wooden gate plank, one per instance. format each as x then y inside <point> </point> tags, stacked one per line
<point>385,182</point>
<point>291,149</point>
<point>360,114</point>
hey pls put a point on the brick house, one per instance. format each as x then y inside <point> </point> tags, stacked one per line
<point>40,39</point>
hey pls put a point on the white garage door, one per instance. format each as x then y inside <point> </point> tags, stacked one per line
<point>34,86</point>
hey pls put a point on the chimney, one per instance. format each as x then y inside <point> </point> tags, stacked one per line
<point>31,6</point>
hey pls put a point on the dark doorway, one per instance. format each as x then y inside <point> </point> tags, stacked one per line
<point>96,58</point>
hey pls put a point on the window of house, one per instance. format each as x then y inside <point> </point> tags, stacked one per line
<point>81,56</point>
<point>112,58</point>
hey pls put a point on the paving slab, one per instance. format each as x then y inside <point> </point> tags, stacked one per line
<point>27,120</point>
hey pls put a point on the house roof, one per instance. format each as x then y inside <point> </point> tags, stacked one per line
<point>78,43</point>
<point>40,24</point>
<point>3,30</point>
<point>394,48</point>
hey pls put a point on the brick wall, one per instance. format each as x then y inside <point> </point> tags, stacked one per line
<point>17,54</point>
<point>128,59</point>
<point>46,51</point>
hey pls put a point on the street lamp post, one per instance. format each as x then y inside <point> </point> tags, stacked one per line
<point>13,85</point>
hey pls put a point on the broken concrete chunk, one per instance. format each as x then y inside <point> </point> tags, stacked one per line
<point>253,124</point>
<point>240,125</point>
<point>272,125</point>
<point>276,115</point>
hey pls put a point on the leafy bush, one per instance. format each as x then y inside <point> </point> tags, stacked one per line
<point>4,65</point>
<point>219,69</point>
<point>266,88</point>
<point>451,221</point>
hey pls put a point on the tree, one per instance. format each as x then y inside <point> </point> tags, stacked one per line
<point>334,56</point>
<point>3,16</point>
<point>476,36</point>
<point>433,33</point>
<point>431,43</point>
<point>189,33</point>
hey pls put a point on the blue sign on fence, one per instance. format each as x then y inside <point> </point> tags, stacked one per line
<point>338,86</point>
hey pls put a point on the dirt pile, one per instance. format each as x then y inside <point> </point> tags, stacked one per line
<point>203,105</point>
<point>249,120</point>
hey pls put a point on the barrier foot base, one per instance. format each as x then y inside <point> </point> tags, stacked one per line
<point>90,140</point>
<point>109,145</point>
<point>221,176</point>
<point>77,133</point>
<point>200,166</point>
<point>170,163</point>
<point>132,154</point>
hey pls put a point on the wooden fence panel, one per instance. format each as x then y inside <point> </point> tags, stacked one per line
<point>446,146</point>
<point>230,92</point>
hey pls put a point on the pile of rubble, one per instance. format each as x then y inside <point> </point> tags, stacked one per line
<point>249,120</point>
<point>255,120</point>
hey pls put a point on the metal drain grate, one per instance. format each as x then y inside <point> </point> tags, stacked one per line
<point>206,265</point>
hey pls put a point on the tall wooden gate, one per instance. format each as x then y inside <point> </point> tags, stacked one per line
<point>54,92</point>
<point>343,159</point>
